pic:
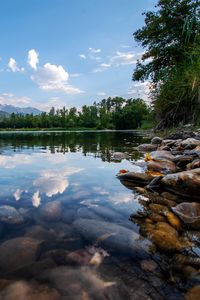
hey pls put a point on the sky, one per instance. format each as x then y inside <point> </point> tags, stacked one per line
<point>69,52</point>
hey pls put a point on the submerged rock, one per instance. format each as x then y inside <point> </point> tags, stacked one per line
<point>10,215</point>
<point>51,211</point>
<point>119,156</point>
<point>189,213</point>
<point>24,290</point>
<point>186,183</point>
<point>108,235</point>
<point>18,252</point>
<point>193,293</point>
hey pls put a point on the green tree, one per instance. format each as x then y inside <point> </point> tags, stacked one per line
<point>171,61</point>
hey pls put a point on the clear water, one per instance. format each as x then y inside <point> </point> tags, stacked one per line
<point>88,247</point>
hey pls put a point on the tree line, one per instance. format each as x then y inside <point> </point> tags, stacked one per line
<point>110,113</point>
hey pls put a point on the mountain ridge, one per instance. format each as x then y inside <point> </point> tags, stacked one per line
<point>19,110</point>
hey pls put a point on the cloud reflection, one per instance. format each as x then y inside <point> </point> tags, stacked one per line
<point>36,199</point>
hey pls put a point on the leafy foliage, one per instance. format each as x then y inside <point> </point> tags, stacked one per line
<point>171,36</point>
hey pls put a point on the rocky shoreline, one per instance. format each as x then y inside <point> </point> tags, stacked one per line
<point>169,189</point>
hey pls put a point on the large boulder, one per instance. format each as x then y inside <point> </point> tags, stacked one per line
<point>18,252</point>
<point>186,183</point>
<point>189,213</point>
<point>134,177</point>
<point>10,215</point>
<point>190,143</point>
<point>163,166</point>
<point>110,236</point>
<point>51,211</point>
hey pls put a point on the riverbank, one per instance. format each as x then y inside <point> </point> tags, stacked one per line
<point>169,216</point>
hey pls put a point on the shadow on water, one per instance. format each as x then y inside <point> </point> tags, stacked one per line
<point>64,220</point>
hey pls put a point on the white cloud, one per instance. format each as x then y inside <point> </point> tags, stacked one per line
<point>12,64</point>
<point>83,56</point>
<point>123,58</point>
<point>101,94</point>
<point>94,51</point>
<point>10,99</point>
<point>75,75</point>
<point>53,182</point>
<point>36,199</point>
<point>10,162</point>
<point>119,59</point>
<point>54,78</point>
<point>17,194</point>
<point>33,59</point>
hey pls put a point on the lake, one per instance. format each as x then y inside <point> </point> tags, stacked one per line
<point>68,234</point>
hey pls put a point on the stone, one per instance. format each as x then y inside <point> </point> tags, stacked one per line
<point>40,233</point>
<point>139,178</point>
<point>10,215</point>
<point>51,211</point>
<point>24,290</point>
<point>194,164</point>
<point>156,140</point>
<point>148,265</point>
<point>147,147</point>
<point>193,293</point>
<point>163,166</point>
<point>109,235</point>
<point>191,142</point>
<point>119,156</point>
<point>189,213</point>
<point>18,252</point>
<point>186,183</point>
<point>161,155</point>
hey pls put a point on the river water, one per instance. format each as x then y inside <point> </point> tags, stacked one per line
<point>69,234</point>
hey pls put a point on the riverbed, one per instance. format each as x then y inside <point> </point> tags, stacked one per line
<point>65,231</point>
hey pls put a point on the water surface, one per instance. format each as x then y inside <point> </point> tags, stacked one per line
<point>64,186</point>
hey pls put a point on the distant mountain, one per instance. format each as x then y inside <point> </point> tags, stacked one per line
<point>3,114</point>
<point>19,110</point>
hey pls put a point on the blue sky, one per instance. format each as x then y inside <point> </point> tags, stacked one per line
<point>65,52</point>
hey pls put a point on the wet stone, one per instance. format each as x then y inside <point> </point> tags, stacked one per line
<point>51,211</point>
<point>146,147</point>
<point>24,290</point>
<point>10,215</point>
<point>18,252</point>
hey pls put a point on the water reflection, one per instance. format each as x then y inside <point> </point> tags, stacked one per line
<point>64,228</point>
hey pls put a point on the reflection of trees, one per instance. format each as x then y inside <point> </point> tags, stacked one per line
<point>97,144</point>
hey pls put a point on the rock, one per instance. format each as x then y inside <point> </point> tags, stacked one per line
<point>18,252</point>
<point>173,220</point>
<point>156,140</point>
<point>51,211</point>
<point>170,196</point>
<point>89,256</point>
<point>108,235</point>
<point>146,147</point>
<point>183,160</point>
<point>189,213</point>
<point>148,265</point>
<point>158,208</point>
<point>191,143</point>
<point>186,183</point>
<point>23,290</point>
<point>84,284</point>
<point>163,166</point>
<point>161,155</point>
<point>139,178</point>
<point>181,135</point>
<point>194,164</point>
<point>193,293</point>
<point>10,215</point>
<point>40,233</point>
<point>119,156</point>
